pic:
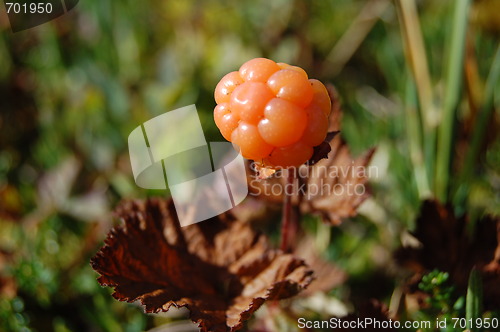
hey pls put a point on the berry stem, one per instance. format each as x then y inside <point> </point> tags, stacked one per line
<point>287,227</point>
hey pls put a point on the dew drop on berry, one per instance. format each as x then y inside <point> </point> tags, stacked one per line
<point>258,70</point>
<point>283,123</point>
<point>249,100</point>
<point>292,86</point>
<point>251,144</point>
<point>226,86</point>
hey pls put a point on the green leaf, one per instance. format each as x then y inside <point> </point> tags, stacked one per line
<point>474,298</point>
<point>452,96</point>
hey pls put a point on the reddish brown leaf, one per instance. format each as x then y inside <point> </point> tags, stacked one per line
<point>447,245</point>
<point>220,269</point>
<point>336,186</point>
<point>336,112</point>
<point>335,205</point>
<point>327,275</point>
<point>332,187</point>
<point>321,151</point>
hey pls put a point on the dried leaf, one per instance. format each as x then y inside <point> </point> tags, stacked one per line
<point>220,269</point>
<point>264,172</point>
<point>336,186</point>
<point>336,112</point>
<point>327,275</point>
<point>339,170</point>
<point>332,187</point>
<point>321,151</point>
<point>446,245</point>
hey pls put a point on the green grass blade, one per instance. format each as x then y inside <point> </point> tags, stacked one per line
<point>483,117</point>
<point>414,134</point>
<point>416,59</point>
<point>474,298</point>
<point>451,97</point>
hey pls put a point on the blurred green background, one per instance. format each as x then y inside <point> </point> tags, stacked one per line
<point>73,89</point>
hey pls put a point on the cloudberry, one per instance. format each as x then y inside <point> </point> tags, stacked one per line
<point>273,112</point>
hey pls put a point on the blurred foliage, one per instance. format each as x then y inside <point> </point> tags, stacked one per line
<point>442,294</point>
<point>72,90</point>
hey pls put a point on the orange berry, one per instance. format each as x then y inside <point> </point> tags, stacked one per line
<point>258,70</point>
<point>251,145</point>
<point>249,99</point>
<point>283,123</point>
<point>292,86</point>
<point>292,155</point>
<point>317,126</point>
<point>226,86</point>
<point>272,112</point>
<point>225,120</point>
<point>283,65</point>
<point>321,97</point>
